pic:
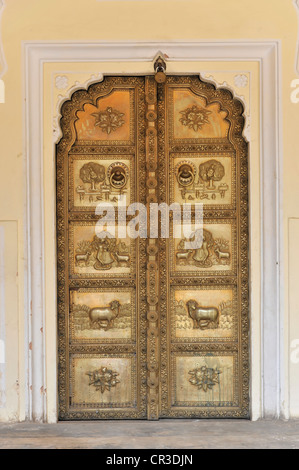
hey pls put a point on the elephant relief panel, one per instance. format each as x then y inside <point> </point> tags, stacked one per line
<point>203,313</point>
<point>102,381</point>
<point>210,250</point>
<point>101,179</point>
<point>107,315</point>
<point>204,179</point>
<point>92,255</point>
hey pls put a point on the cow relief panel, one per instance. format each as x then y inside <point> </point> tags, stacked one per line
<point>203,313</point>
<point>104,315</point>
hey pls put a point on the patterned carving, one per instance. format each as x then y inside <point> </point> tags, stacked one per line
<point>209,181</point>
<point>210,172</point>
<point>61,82</point>
<point>195,117</point>
<point>152,251</point>
<point>109,120</point>
<point>103,379</point>
<point>204,378</point>
<point>102,253</point>
<point>241,80</point>
<point>183,321</point>
<point>234,145</point>
<point>208,251</point>
<point>101,185</point>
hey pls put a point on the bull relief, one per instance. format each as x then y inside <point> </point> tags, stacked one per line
<point>102,313</point>
<point>203,317</point>
<point>203,313</point>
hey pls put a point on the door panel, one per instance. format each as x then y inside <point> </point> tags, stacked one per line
<point>101,280</point>
<point>204,291</point>
<point>149,327</point>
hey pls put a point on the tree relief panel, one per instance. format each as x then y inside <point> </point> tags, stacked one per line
<point>206,179</point>
<point>100,180</point>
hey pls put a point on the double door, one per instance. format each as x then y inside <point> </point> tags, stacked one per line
<point>152,305</point>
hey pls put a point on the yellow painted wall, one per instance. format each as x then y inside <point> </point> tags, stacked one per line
<point>138,20</point>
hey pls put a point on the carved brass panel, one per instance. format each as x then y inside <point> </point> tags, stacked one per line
<point>203,290</point>
<point>152,327</point>
<point>204,178</point>
<point>92,256</point>
<point>205,381</point>
<point>102,312</point>
<point>103,315</point>
<point>100,179</point>
<point>204,314</point>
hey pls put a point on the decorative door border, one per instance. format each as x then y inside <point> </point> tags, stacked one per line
<point>267,53</point>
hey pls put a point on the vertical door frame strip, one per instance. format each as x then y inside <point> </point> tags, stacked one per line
<point>274,391</point>
<point>153,356</point>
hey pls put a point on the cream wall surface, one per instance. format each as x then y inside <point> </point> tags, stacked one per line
<point>138,20</point>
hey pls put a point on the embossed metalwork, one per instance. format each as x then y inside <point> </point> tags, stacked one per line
<point>204,378</point>
<point>223,286</point>
<point>203,317</point>
<point>109,120</point>
<point>103,317</point>
<point>120,345</point>
<point>102,253</point>
<point>152,252</point>
<point>170,320</point>
<point>103,379</point>
<point>104,186</point>
<point>208,251</point>
<point>195,117</point>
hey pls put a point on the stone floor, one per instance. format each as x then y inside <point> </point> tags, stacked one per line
<point>163,434</point>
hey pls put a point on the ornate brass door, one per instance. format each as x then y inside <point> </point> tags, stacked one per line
<point>151,327</point>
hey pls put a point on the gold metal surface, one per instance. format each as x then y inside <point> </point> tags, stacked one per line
<point>149,327</point>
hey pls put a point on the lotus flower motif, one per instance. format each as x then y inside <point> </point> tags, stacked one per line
<point>109,120</point>
<point>195,117</point>
<point>204,377</point>
<point>103,379</point>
